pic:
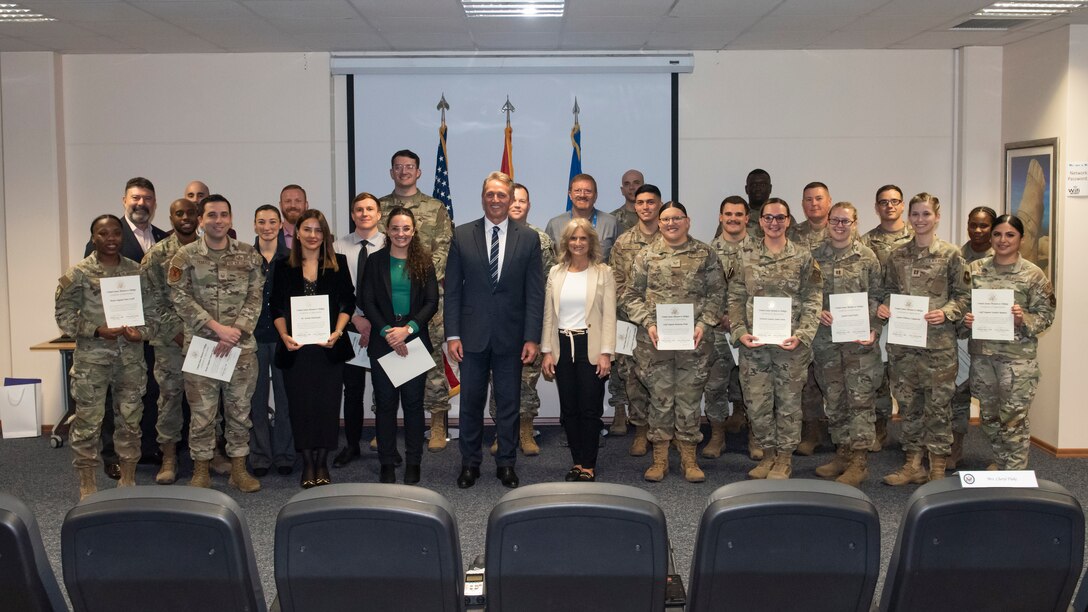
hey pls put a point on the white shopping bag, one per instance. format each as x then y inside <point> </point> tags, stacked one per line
<point>20,404</point>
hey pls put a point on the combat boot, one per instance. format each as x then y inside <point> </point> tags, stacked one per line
<point>881,435</point>
<point>87,484</point>
<point>738,420</point>
<point>714,447</point>
<point>911,472</point>
<point>760,471</point>
<point>201,478</point>
<point>782,467</point>
<point>836,466</point>
<point>660,466</point>
<point>957,450</point>
<point>810,438</point>
<point>168,471</point>
<point>937,466</point>
<point>494,446</point>
<point>692,473</point>
<point>128,473</point>
<point>240,478</point>
<point>529,447</point>
<point>219,463</point>
<point>374,444</point>
<point>640,444</point>
<point>857,470</point>
<point>619,422</point>
<point>755,451</point>
<point>438,433</point>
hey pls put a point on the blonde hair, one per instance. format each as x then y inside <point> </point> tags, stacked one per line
<point>568,232</point>
<point>845,206</point>
<point>926,198</point>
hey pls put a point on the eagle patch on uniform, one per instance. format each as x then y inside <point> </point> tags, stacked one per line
<point>175,274</point>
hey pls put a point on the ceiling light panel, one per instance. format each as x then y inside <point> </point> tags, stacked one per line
<point>1033,9</point>
<point>513,8</point>
<point>13,13</point>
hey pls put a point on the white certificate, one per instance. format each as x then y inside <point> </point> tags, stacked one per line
<point>993,314</point>
<point>625,337</point>
<point>849,317</point>
<point>675,327</point>
<point>772,319</point>
<point>310,319</point>
<point>361,358</point>
<point>907,325</point>
<point>122,301</point>
<point>200,360</point>
<point>403,369</point>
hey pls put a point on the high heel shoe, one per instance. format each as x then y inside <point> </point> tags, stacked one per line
<point>307,481</point>
<point>321,474</point>
<point>388,474</point>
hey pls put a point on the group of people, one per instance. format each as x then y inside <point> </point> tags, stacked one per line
<point>511,301</point>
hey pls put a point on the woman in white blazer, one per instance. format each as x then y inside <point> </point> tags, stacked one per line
<point>578,341</point>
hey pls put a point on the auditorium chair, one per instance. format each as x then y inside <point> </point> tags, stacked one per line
<point>808,545</point>
<point>568,547</point>
<point>27,581</point>
<point>167,549</point>
<point>368,547</point>
<point>978,549</point>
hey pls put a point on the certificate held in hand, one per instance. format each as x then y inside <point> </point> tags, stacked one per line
<point>993,314</point>
<point>772,319</point>
<point>907,325</point>
<point>675,327</point>
<point>310,319</point>
<point>849,317</point>
<point>122,301</point>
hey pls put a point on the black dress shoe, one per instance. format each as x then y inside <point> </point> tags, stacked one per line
<point>573,474</point>
<point>260,472</point>
<point>112,469</point>
<point>468,477</point>
<point>507,476</point>
<point>388,474</point>
<point>411,474</point>
<point>285,470</point>
<point>346,456</point>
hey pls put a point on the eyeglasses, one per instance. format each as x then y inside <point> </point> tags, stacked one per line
<point>768,219</point>
<point>671,220</point>
<point>841,221</point>
<point>887,203</point>
<point>408,167</point>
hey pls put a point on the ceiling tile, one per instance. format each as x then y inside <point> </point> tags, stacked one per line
<point>420,25</point>
<point>712,8</point>
<point>848,8</point>
<point>308,10</point>
<point>409,8</point>
<point>617,8</point>
<point>90,10</point>
<point>195,9</point>
<point>612,25</point>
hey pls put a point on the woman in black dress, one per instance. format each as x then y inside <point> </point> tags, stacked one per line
<point>400,295</point>
<point>313,372</point>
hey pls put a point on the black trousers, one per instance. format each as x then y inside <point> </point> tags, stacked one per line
<point>408,396</point>
<point>581,400</point>
<point>354,409</point>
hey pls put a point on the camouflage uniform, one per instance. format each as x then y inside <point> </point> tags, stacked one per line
<point>227,287</point>
<point>624,384</point>
<point>99,364</point>
<point>883,243</point>
<point>435,229</point>
<point>812,398</point>
<point>1004,375</point>
<point>961,399</point>
<point>688,274</point>
<point>923,379</point>
<point>722,367</point>
<point>530,374</point>
<point>805,235</point>
<point>168,355</point>
<point>850,410</point>
<point>626,218</point>
<point>773,377</point>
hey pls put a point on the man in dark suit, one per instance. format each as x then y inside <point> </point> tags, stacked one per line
<point>494,313</point>
<point>138,235</point>
<point>293,203</point>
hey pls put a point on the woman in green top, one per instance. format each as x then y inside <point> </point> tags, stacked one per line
<point>400,295</point>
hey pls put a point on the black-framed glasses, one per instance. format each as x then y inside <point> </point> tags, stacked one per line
<point>774,218</point>
<point>841,221</point>
<point>887,203</point>
<point>670,220</point>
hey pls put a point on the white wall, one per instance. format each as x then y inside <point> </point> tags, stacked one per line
<point>980,160</point>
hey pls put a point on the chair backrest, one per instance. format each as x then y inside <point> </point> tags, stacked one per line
<point>986,549</point>
<point>787,544</point>
<point>159,548</point>
<point>26,578</point>
<point>576,546</point>
<point>368,546</point>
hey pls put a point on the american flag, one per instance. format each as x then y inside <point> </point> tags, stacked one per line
<point>575,153</point>
<point>441,173</point>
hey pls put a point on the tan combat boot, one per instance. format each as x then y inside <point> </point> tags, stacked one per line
<point>438,433</point>
<point>692,473</point>
<point>957,450</point>
<point>760,471</point>
<point>738,420</point>
<point>660,466</point>
<point>937,466</point>
<point>812,433</point>
<point>201,478</point>
<point>782,468</point>
<point>911,472</point>
<point>640,445</point>
<point>755,451</point>
<point>219,463</point>
<point>881,435</point>
<point>529,447</point>
<point>857,470</point>
<point>836,466</point>
<point>494,446</point>
<point>716,445</point>
<point>374,444</point>
<point>619,422</point>
<point>240,477</point>
<point>168,472</point>
<point>128,473</point>
<point>87,484</point>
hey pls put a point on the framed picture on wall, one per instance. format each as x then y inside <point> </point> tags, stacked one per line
<point>1030,173</point>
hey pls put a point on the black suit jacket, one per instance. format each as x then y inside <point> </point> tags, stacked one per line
<point>130,247</point>
<point>378,302</point>
<point>288,282</point>
<point>503,317</point>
